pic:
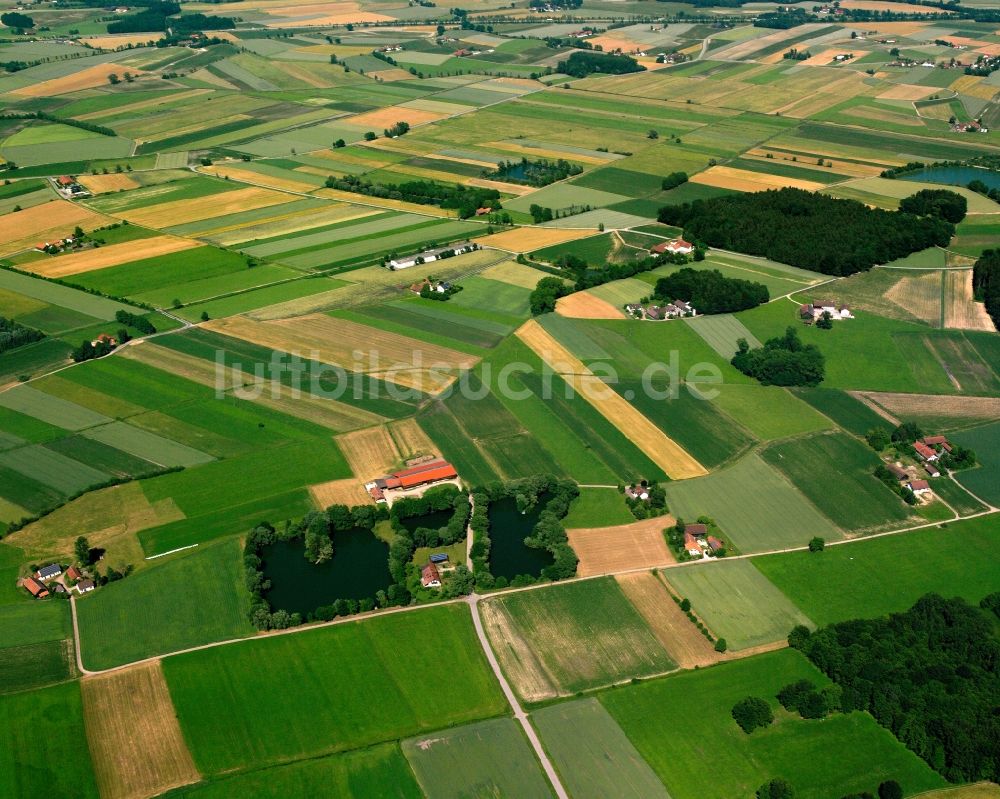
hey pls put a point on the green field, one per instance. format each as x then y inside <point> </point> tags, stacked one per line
<point>242,706</point>
<point>42,743</point>
<point>35,665</point>
<point>888,574</point>
<point>488,758</point>
<point>983,481</point>
<point>737,602</point>
<point>768,412</point>
<point>682,726</point>
<point>594,758</point>
<point>722,333</point>
<point>164,608</point>
<point>47,408</point>
<point>379,771</point>
<point>846,490</point>
<point>753,505</point>
<point>585,634</point>
<point>598,507</point>
<point>850,413</point>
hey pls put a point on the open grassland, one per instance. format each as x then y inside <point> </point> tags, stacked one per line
<point>598,507</point>
<point>488,758</point>
<point>35,665</point>
<point>583,635</point>
<point>737,602</point>
<point>129,621</point>
<point>983,481</point>
<point>593,756</point>
<point>634,545</point>
<point>753,505</point>
<point>768,412</point>
<point>135,740</point>
<point>664,452</point>
<point>722,332</point>
<point>888,574</point>
<point>849,494</point>
<point>681,723</point>
<point>42,742</point>
<point>242,706</point>
<point>683,641</point>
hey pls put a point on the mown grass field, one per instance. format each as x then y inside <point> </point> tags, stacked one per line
<point>593,755</point>
<point>130,620</point>
<point>753,504</point>
<point>242,706</point>
<point>490,758</point>
<point>598,507</point>
<point>848,493</point>
<point>583,635</point>
<point>888,574</point>
<point>983,481</point>
<point>378,771</point>
<point>680,725</point>
<point>42,743</point>
<point>737,602</point>
<point>768,412</point>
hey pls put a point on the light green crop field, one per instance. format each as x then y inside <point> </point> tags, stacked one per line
<point>888,574</point>
<point>722,333</point>
<point>753,504</point>
<point>849,494</point>
<point>593,756</point>
<point>681,723</point>
<point>488,758</point>
<point>982,481</point>
<point>165,607</point>
<point>373,773</point>
<point>598,507</point>
<point>769,412</point>
<point>42,741</point>
<point>585,634</point>
<point>47,408</point>
<point>30,622</point>
<point>737,602</point>
<point>242,706</point>
<point>150,446</point>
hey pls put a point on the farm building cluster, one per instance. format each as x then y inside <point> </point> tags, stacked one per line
<point>824,309</point>
<point>699,544</point>
<point>414,477</point>
<point>677,309</point>
<point>927,451</point>
<point>52,579</point>
<point>69,188</point>
<point>672,247</point>
<point>429,256</point>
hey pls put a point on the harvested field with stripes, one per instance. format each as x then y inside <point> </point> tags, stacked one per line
<point>179,212</point>
<point>726,177</point>
<point>529,239</point>
<point>370,452</point>
<point>88,78</point>
<point>348,492</point>
<point>135,741</point>
<point>671,626</point>
<point>663,451</point>
<point>961,311</point>
<point>90,260</point>
<point>584,305</point>
<point>638,545</point>
<point>100,184</point>
<point>410,439</point>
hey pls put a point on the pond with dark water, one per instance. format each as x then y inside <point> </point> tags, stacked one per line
<point>955,176</point>
<point>432,521</point>
<point>509,556</point>
<point>359,568</point>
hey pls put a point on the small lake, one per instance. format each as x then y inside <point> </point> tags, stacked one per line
<point>955,176</point>
<point>509,556</point>
<point>432,521</point>
<point>358,569</point>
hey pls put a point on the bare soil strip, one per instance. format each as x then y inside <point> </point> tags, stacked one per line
<point>603,550</point>
<point>135,741</point>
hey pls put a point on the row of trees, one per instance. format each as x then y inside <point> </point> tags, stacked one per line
<point>986,283</point>
<point>14,334</point>
<point>931,675</point>
<point>782,361</point>
<point>808,230</point>
<point>466,199</point>
<point>710,292</point>
<point>140,323</point>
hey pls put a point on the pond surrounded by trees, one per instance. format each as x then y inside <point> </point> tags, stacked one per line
<point>955,176</point>
<point>358,569</point>
<point>509,555</point>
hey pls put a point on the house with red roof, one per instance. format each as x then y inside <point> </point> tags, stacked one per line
<point>919,487</point>
<point>691,545</point>
<point>940,442</point>
<point>74,574</point>
<point>430,577</point>
<point>35,588</point>
<point>924,452</point>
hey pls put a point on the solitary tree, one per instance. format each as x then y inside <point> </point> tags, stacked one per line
<point>817,544</point>
<point>113,79</point>
<point>752,713</point>
<point>81,549</point>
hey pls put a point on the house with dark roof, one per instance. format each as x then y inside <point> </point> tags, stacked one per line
<point>49,572</point>
<point>85,586</point>
<point>696,529</point>
<point>897,471</point>
<point>932,470</point>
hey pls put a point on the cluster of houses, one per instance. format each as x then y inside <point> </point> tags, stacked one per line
<point>813,311</point>
<point>657,313</point>
<point>429,256</point>
<point>699,544</point>
<point>927,450</point>
<point>68,187</point>
<point>672,247</point>
<point>437,286</point>
<point>51,579</point>
<point>57,246</point>
<point>104,338</point>
<point>969,127</point>
<point>423,474</point>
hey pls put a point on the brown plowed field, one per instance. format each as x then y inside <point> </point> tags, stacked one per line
<point>603,550</point>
